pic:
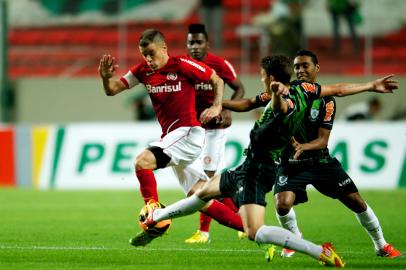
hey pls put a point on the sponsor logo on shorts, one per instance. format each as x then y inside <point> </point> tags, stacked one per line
<point>282,180</point>
<point>345,182</point>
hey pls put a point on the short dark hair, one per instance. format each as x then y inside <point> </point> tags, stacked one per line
<point>311,54</point>
<point>279,66</point>
<point>151,36</point>
<point>198,28</point>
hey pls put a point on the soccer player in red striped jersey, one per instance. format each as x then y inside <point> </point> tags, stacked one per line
<point>170,82</point>
<point>216,130</point>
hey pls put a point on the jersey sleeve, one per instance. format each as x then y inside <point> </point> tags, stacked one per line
<point>291,105</point>
<point>328,113</point>
<point>195,70</point>
<point>312,90</point>
<point>131,78</point>
<point>262,99</point>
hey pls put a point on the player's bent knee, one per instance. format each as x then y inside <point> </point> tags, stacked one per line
<point>140,163</point>
<point>145,160</point>
<point>197,186</point>
<point>204,194</point>
<point>157,155</point>
<point>283,207</point>
<point>210,190</point>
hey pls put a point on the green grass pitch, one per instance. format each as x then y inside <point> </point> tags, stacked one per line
<point>90,230</point>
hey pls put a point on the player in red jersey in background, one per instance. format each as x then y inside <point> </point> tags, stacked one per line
<point>170,82</point>
<point>216,131</point>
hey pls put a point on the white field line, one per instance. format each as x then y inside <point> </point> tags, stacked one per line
<point>147,249</point>
<point>130,249</point>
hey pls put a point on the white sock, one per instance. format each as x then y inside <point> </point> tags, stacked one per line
<point>371,224</point>
<point>287,239</point>
<point>289,222</point>
<point>180,208</point>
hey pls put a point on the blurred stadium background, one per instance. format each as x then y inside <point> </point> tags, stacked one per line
<point>59,131</point>
<point>59,127</point>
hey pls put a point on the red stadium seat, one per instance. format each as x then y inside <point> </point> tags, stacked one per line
<point>49,51</point>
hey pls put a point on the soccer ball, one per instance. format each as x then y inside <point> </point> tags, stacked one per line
<point>160,228</point>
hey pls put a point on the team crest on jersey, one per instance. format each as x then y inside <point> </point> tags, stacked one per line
<point>172,76</point>
<point>282,180</point>
<point>314,113</point>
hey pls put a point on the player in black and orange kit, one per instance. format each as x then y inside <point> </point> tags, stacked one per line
<point>309,162</point>
<point>216,130</point>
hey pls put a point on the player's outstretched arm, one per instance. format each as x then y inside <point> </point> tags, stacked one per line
<point>241,105</point>
<point>382,85</point>
<point>107,69</point>
<point>239,90</point>
<point>238,94</point>
<point>215,109</point>
<point>278,90</point>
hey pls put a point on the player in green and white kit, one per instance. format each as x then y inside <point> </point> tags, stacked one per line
<point>309,162</point>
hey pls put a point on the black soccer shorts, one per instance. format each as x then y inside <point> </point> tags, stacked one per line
<point>329,178</point>
<point>249,183</point>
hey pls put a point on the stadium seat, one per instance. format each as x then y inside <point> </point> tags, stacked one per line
<point>56,48</point>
